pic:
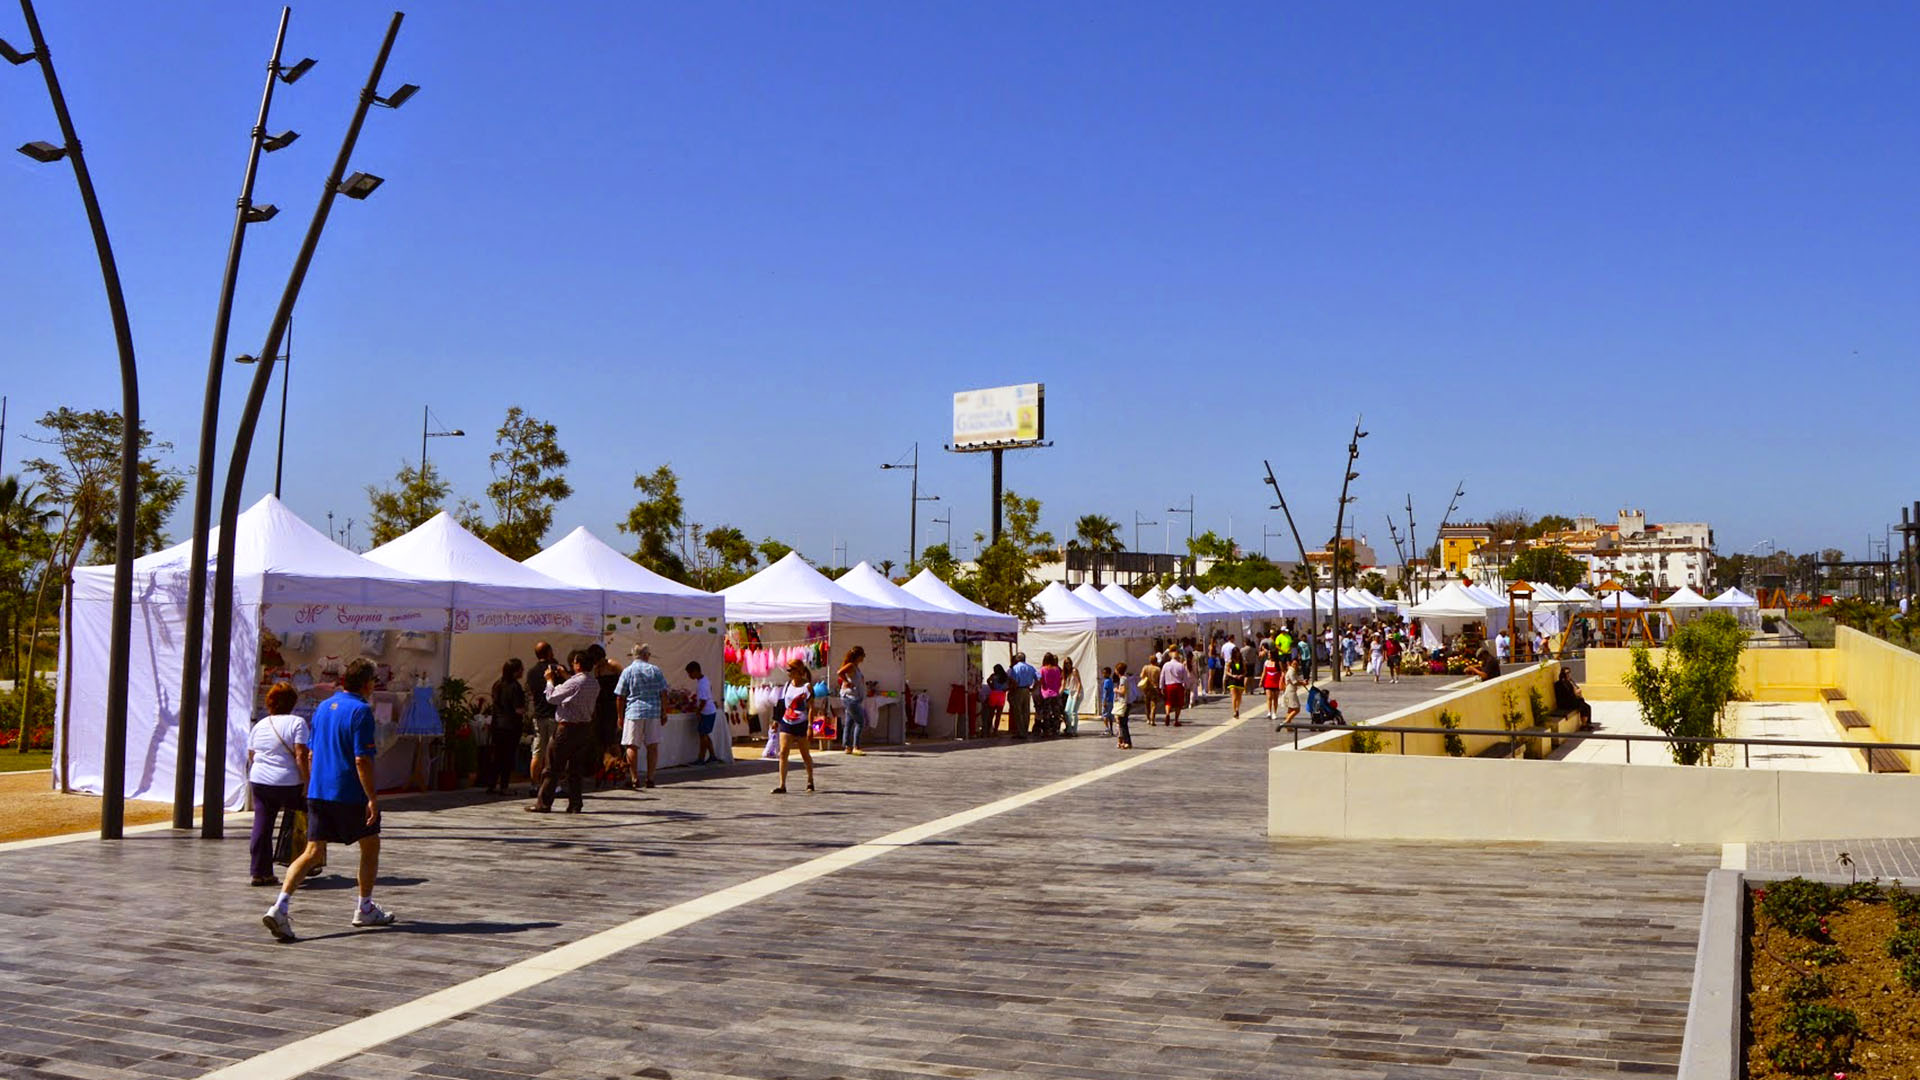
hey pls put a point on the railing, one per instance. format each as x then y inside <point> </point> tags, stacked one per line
<point>1516,734</point>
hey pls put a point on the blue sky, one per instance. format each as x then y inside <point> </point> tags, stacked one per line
<point>1582,256</point>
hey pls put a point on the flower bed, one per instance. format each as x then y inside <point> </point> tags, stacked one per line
<point>1833,981</point>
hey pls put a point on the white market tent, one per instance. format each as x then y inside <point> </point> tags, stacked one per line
<point>792,605</point>
<point>1687,598</point>
<point>287,576</point>
<point>501,609</point>
<point>1622,599</point>
<point>1486,596</point>
<point>1132,621</point>
<point>1744,607</point>
<point>1071,627</point>
<point>980,620</point>
<point>1158,622</point>
<point>1579,595</point>
<point>1384,607</point>
<point>935,654</point>
<point>1449,610</point>
<point>679,622</point>
<point>981,624</point>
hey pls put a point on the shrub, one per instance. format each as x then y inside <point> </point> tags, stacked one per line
<point>1809,987</point>
<point>1905,943</point>
<point>1768,624</point>
<point>1456,746</point>
<point>1537,705</point>
<point>1800,907</point>
<point>1687,694</point>
<point>1819,1039</point>
<point>39,719</point>
<point>1363,742</point>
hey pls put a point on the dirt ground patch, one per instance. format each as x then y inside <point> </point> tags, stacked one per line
<point>30,808</point>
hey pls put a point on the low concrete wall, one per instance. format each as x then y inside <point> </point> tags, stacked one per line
<point>1882,681</point>
<point>1481,705</point>
<point>1387,796</point>
<point>1765,674</point>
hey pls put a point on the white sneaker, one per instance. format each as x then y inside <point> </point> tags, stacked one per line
<point>372,914</point>
<point>278,923</point>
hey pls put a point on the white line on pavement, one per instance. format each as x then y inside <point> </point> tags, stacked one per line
<point>315,1051</point>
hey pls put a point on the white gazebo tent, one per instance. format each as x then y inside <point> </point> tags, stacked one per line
<point>1685,604</point>
<point>290,583</point>
<point>1094,637</point>
<point>1742,606</point>
<point>789,609</point>
<point>936,655</point>
<point>1136,630</point>
<point>1581,596</point>
<point>1158,622</point>
<point>982,625</point>
<point>679,622</point>
<point>500,609</point>
<point>1449,611</point>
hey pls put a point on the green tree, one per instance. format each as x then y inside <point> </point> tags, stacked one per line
<point>772,550</point>
<point>26,520</point>
<point>1002,578</point>
<point>1375,583</point>
<point>1549,523</point>
<point>1687,694</point>
<point>415,496</point>
<point>1552,565</point>
<point>1251,572</point>
<point>1301,577</point>
<point>1096,532</point>
<point>655,522</point>
<point>81,482</point>
<point>939,559</point>
<point>527,483</point>
<point>1510,525</point>
<point>1210,545</point>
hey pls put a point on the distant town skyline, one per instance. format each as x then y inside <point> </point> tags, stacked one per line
<point>1579,259</point>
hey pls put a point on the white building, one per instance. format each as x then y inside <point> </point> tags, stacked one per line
<point>1664,556</point>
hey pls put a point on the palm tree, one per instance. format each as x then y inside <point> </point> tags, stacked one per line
<point>24,518</point>
<point>1097,532</point>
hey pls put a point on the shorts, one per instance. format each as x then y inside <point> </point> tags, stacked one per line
<point>1151,693</point>
<point>642,732</point>
<point>542,736</point>
<point>331,821</point>
<point>707,721</point>
<point>1236,682</point>
<point>1176,696</point>
<point>795,728</point>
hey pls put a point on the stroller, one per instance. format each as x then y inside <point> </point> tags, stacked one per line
<point>1322,709</point>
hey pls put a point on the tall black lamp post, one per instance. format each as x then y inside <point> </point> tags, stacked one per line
<point>357,186</point>
<point>1313,605</point>
<point>245,213</point>
<point>1187,510</point>
<point>114,771</point>
<point>1339,532</point>
<point>426,418</point>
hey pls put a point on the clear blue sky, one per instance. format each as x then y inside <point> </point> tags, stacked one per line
<point>1585,257</point>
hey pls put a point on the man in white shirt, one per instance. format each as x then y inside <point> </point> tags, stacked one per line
<point>1502,647</point>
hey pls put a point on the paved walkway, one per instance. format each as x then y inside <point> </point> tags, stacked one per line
<point>1137,924</point>
<point>1885,859</point>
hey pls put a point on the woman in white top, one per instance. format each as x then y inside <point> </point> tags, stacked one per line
<point>706,713</point>
<point>794,717</point>
<point>277,763</point>
<point>1377,658</point>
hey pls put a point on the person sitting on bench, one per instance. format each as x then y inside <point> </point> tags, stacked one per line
<point>1566,698</point>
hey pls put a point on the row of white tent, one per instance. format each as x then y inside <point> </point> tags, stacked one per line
<point>449,595</point>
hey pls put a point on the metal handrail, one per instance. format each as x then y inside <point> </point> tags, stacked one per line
<point>1516,734</point>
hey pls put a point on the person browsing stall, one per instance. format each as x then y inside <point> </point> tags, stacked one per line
<point>572,753</point>
<point>638,698</point>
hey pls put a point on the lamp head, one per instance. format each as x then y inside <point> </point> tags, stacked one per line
<point>261,212</point>
<point>15,56</point>
<point>244,358</point>
<point>44,152</point>
<point>291,75</point>
<point>278,142</point>
<point>398,97</point>
<point>359,185</point>
<point>457,432</point>
<point>1353,476</point>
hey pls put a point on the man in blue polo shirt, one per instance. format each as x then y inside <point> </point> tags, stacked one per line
<point>1020,695</point>
<point>342,801</point>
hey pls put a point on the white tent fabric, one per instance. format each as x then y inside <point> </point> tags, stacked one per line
<point>915,614</point>
<point>1157,621</point>
<point>792,591</point>
<point>1491,599</point>
<point>1622,599</point>
<point>1064,609</point>
<point>584,561</point>
<point>491,592</point>
<point>1579,595</point>
<point>1734,597</point>
<point>1452,602</point>
<point>1685,597</point>
<point>1134,623</point>
<point>1545,593</point>
<point>981,620</point>
<point>285,571</point>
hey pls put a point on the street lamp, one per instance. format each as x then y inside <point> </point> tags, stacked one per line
<point>1339,530</point>
<point>246,213</point>
<point>120,650</point>
<point>913,504</point>
<point>948,522</point>
<point>212,822</point>
<point>1187,510</point>
<point>1138,521</point>
<point>1313,605</point>
<point>425,413</point>
<point>286,376</point>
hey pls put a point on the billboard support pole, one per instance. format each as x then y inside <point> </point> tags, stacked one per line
<point>999,456</point>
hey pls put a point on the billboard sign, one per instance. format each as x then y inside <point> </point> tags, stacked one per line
<point>1000,416</point>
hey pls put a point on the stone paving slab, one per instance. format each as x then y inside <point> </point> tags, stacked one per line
<point>1139,925</point>
<point>1871,858</point>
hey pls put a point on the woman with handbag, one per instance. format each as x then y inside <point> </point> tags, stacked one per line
<point>277,763</point>
<point>797,699</point>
